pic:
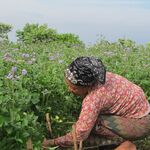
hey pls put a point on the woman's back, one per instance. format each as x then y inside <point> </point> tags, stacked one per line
<point>125,98</point>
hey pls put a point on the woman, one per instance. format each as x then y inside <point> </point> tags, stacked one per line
<point>114,110</point>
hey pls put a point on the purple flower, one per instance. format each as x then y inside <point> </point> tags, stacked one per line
<point>7,57</point>
<point>24,72</point>
<point>14,69</point>
<point>25,55</point>
<point>30,62</point>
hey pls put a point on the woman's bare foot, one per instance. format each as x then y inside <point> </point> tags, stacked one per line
<point>127,145</point>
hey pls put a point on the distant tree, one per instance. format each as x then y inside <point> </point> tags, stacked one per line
<point>69,38</point>
<point>33,33</point>
<point>4,30</point>
<point>126,43</point>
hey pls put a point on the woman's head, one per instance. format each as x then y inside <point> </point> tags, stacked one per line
<point>86,71</point>
<point>77,90</point>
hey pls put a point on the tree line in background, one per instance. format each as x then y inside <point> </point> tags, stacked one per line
<point>34,33</point>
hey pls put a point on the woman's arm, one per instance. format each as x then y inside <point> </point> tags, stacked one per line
<point>91,107</point>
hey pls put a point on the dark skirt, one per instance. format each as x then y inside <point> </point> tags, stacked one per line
<point>112,129</point>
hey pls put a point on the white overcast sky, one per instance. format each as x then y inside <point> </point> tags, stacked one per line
<point>87,18</point>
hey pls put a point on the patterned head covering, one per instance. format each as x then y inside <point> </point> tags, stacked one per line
<point>85,71</point>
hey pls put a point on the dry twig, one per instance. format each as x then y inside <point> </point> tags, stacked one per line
<point>74,137</point>
<point>48,123</point>
<point>81,145</point>
<point>29,144</point>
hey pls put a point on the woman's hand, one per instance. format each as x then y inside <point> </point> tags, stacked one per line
<point>46,143</point>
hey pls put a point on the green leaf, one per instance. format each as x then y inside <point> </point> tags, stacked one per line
<point>19,140</point>
<point>35,98</point>
<point>1,120</point>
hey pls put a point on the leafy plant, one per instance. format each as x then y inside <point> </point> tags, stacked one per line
<point>34,33</point>
<point>4,30</point>
<point>32,84</point>
<point>70,39</point>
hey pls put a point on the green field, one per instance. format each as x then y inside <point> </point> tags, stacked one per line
<point>32,84</point>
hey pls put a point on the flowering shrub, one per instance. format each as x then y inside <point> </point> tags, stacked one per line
<point>32,84</point>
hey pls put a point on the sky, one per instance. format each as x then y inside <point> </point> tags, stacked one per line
<point>89,19</point>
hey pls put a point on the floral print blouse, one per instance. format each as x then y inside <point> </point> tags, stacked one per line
<point>118,96</point>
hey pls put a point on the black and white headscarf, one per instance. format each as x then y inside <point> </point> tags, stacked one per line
<point>85,71</point>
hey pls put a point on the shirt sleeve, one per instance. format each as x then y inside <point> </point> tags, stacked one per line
<point>91,107</point>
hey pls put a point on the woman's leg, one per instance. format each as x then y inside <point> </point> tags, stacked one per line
<point>114,130</point>
<point>127,128</point>
<point>102,137</point>
<point>99,142</point>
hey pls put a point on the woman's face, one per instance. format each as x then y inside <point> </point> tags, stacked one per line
<point>77,90</point>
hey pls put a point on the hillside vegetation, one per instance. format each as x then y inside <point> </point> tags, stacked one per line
<point>32,83</point>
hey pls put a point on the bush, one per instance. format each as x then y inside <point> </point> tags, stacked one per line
<point>34,33</point>
<point>69,39</point>
<point>4,30</point>
<point>32,84</point>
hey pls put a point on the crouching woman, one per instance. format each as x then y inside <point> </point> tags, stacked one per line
<point>114,110</point>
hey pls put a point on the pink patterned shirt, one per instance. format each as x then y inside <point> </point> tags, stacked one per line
<point>118,96</point>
